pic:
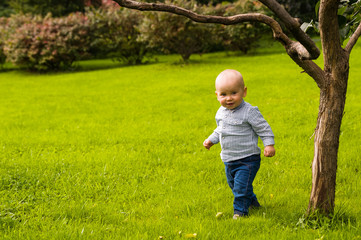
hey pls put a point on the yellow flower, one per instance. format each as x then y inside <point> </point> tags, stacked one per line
<point>191,235</point>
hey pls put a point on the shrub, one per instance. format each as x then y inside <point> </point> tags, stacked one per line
<point>3,24</point>
<point>48,43</point>
<point>132,49</point>
<point>44,44</point>
<point>172,33</point>
<point>2,55</point>
<point>8,27</point>
<point>115,34</point>
<point>43,7</point>
<point>240,37</point>
<point>176,34</point>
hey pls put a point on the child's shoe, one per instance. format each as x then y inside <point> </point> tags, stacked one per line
<point>254,205</point>
<point>238,215</point>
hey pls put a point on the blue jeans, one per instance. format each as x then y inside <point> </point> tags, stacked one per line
<point>240,175</point>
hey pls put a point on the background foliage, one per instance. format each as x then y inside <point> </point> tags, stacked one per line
<point>244,36</point>
<point>114,33</point>
<point>43,43</point>
<point>40,7</point>
<point>303,9</point>
<point>44,7</point>
<point>48,43</point>
<point>172,33</point>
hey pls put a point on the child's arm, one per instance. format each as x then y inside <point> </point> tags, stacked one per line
<point>269,151</point>
<point>263,130</point>
<point>207,144</point>
<point>213,138</point>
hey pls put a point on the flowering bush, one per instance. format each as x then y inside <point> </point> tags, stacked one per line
<point>48,43</point>
<point>3,22</point>
<point>44,44</point>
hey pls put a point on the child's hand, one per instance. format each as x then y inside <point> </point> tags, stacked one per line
<point>207,144</point>
<point>269,151</point>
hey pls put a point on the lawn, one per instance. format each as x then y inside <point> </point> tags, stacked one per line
<point>115,152</point>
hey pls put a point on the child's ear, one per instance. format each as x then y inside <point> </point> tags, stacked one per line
<point>245,92</point>
<point>216,93</point>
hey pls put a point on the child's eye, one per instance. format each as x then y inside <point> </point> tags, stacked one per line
<point>234,93</point>
<point>223,94</point>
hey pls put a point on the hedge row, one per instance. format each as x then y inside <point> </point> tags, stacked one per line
<point>47,43</point>
<point>43,44</point>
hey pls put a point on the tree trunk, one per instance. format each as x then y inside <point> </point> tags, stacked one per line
<point>332,101</point>
<point>327,133</point>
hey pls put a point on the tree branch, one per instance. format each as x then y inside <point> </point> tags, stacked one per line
<point>313,70</point>
<point>351,43</point>
<point>291,46</point>
<point>329,32</point>
<point>293,26</point>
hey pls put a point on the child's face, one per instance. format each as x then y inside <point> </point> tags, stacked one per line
<point>230,91</point>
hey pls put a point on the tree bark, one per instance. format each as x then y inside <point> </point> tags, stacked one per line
<point>332,102</point>
<point>326,143</point>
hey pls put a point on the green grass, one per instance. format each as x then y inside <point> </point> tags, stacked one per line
<point>116,153</point>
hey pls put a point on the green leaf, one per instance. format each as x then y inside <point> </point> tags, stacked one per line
<point>305,26</point>
<point>342,10</point>
<point>342,20</point>
<point>344,33</point>
<point>317,8</point>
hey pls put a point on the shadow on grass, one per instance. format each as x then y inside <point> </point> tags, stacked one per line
<point>8,67</point>
<point>80,66</point>
<point>101,64</point>
<point>173,59</point>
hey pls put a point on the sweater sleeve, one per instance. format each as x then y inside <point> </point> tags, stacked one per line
<point>214,137</point>
<point>261,127</point>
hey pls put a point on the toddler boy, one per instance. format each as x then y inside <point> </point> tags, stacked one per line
<point>238,127</point>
